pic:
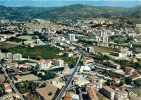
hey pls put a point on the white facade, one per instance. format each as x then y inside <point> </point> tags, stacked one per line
<point>17,56</point>
<point>72,37</point>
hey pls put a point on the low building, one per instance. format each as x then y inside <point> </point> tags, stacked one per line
<point>8,88</point>
<point>135,75</point>
<point>2,78</point>
<point>121,95</point>
<point>108,92</point>
<point>129,71</point>
<point>45,64</point>
<point>71,96</point>
<point>85,69</point>
<point>23,66</point>
<point>91,90</point>
<point>80,81</point>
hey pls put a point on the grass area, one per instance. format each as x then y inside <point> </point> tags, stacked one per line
<point>42,52</point>
<point>39,52</point>
<point>103,49</point>
<point>26,37</point>
<point>4,45</point>
<point>14,39</point>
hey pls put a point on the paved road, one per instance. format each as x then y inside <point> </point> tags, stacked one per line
<point>61,93</point>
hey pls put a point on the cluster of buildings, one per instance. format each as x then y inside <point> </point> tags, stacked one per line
<point>95,79</point>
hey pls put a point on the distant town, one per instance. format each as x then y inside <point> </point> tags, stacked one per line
<point>83,59</point>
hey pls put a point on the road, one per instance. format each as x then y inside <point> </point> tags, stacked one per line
<point>68,83</point>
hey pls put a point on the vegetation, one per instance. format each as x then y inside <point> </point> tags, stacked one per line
<point>1,89</point>
<point>14,39</point>
<point>136,65</point>
<point>26,86</point>
<point>87,42</point>
<point>73,11</point>
<point>39,52</point>
<point>100,56</point>
<point>137,82</point>
<point>121,39</point>
<point>47,75</point>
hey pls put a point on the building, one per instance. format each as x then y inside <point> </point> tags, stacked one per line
<point>9,56</point>
<point>66,70</point>
<point>121,95</point>
<point>85,69</point>
<point>23,66</point>
<point>90,49</point>
<point>59,63</point>
<point>91,90</point>
<point>45,64</point>
<point>17,56</point>
<point>80,81</point>
<point>8,88</point>
<point>2,78</point>
<point>71,96</point>
<point>108,92</point>
<point>72,37</point>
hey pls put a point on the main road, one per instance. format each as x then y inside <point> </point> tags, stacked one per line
<point>68,83</point>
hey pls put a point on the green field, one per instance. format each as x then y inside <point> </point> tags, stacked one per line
<point>5,45</point>
<point>39,52</point>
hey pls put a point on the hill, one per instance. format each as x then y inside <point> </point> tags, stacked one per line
<point>72,11</point>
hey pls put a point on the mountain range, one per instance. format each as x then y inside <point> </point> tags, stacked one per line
<point>72,11</point>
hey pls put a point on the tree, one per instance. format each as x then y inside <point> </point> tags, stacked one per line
<point>137,82</point>
<point>1,89</point>
<point>128,80</point>
<point>136,65</point>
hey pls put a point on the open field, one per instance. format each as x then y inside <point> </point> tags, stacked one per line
<point>102,49</point>
<point>38,52</point>
<point>5,45</point>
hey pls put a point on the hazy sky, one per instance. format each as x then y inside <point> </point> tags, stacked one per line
<point>54,3</point>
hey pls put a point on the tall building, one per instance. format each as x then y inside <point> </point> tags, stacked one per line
<point>45,64</point>
<point>59,62</point>
<point>72,37</point>
<point>9,56</point>
<point>17,56</point>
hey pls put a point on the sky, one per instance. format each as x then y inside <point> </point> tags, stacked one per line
<point>56,3</point>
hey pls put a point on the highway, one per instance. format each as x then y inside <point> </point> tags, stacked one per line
<point>76,68</point>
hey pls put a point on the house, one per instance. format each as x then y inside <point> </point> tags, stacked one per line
<point>23,66</point>
<point>8,88</point>
<point>80,81</point>
<point>18,78</point>
<point>67,96</point>
<point>59,62</point>
<point>88,60</point>
<point>85,69</point>
<point>135,75</point>
<point>108,92</point>
<point>91,90</point>
<point>71,96</point>
<point>2,78</point>
<point>129,70</point>
<point>121,95</point>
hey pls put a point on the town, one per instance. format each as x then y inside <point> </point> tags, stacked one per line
<point>86,59</point>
